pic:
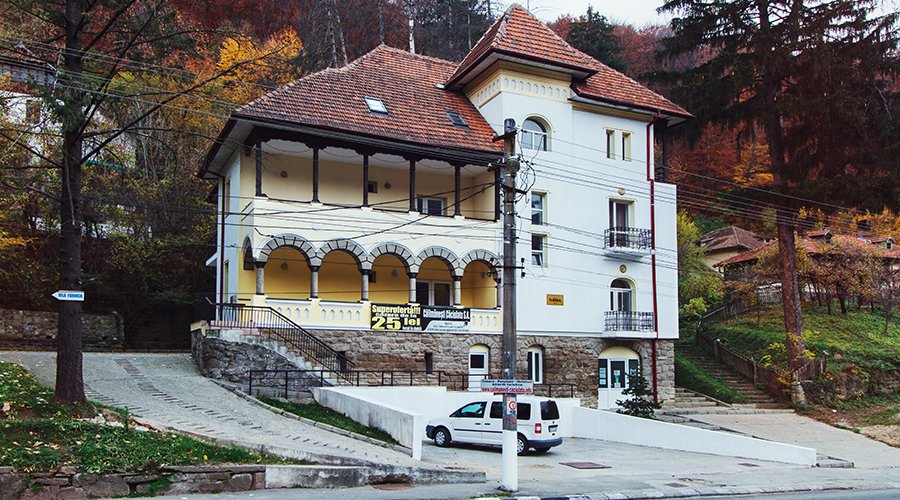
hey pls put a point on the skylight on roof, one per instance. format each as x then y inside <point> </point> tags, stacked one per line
<point>375,105</point>
<point>457,119</point>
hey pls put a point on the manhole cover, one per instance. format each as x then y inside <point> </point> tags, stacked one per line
<point>585,465</point>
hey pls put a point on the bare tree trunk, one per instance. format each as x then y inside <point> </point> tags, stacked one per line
<point>340,31</point>
<point>69,376</point>
<point>381,21</point>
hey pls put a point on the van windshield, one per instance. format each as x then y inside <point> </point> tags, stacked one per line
<point>549,411</point>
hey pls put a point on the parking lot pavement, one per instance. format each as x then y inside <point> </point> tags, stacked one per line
<point>167,388</point>
<point>796,429</point>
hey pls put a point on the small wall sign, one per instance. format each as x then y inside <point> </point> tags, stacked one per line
<point>555,300</point>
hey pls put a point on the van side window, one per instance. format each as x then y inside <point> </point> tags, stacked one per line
<point>497,409</point>
<point>471,410</point>
<point>549,410</point>
<point>523,411</point>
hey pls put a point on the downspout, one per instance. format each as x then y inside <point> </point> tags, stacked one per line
<point>652,181</point>
<point>221,300</point>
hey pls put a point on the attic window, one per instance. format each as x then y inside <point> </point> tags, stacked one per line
<point>457,119</point>
<point>375,105</point>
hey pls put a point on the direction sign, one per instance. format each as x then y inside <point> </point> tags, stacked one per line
<point>70,295</point>
<point>507,386</point>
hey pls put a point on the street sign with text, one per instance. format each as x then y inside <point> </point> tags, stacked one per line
<point>70,295</point>
<point>507,386</point>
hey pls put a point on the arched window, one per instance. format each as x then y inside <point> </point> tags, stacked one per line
<point>534,135</point>
<point>620,296</point>
<point>536,364</point>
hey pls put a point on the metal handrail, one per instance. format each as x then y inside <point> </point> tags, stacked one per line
<point>628,321</point>
<point>269,321</point>
<point>627,237</point>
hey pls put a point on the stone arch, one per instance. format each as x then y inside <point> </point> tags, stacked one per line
<point>346,245</point>
<point>444,254</point>
<point>396,249</point>
<point>294,241</point>
<point>489,258</point>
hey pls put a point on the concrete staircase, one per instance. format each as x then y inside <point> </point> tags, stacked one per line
<point>754,396</point>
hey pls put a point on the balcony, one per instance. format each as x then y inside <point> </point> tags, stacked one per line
<point>628,321</point>
<point>627,240</point>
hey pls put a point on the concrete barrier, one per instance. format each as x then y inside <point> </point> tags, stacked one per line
<point>408,428</point>
<point>610,426</point>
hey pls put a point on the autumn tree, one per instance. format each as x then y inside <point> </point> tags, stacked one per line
<point>782,65</point>
<point>699,287</point>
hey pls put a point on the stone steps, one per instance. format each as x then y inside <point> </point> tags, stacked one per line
<point>752,394</point>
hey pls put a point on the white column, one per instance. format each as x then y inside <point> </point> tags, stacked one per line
<point>457,290</point>
<point>412,287</point>
<point>499,294</point>
<point>314,282</point>
<point>365,286</point>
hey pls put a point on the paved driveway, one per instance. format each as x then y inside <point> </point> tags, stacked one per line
<point>167,388</point>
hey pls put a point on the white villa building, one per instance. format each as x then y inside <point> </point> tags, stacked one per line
<point>361,204</point>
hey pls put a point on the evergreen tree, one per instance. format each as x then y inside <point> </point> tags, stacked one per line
<point>593,35</point>
<point>811,75</point>
<point>640,404</point>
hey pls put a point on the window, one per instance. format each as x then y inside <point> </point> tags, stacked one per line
<point>534,135</point>
<point>626,146</point>
<point>538,255</point>
<point>429,362</point>
<point>536,364</point>
<point>538,202</point>
<point>432,206</point>
<point>457,119</point>
<point>620,296</point>
<point>433,293</point>
<point>372,186</point>
<point>471,410</point>
<point>497,409</point>
<point>610,143</point>
<point>619,222</point>
<point>376,105</point>
<point>523,411</point>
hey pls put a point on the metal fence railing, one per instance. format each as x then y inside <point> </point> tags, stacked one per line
<point>627,237</point>
<point>628,321</point>
<point>267,321</point>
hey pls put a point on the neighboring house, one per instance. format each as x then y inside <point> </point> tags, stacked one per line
<point>726,242</point>
<point>361,203</point>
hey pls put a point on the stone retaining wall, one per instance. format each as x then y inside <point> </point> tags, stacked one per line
<point>37,330</point>
<point>68,483</point>
<point>567,360</point>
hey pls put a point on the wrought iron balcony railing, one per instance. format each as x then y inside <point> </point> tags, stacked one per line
<point>627,238</point>
<point>628,321</point>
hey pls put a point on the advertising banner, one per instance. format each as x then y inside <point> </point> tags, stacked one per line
<point>413,318</point>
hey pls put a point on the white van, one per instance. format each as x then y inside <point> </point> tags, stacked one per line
<point>481,422</point>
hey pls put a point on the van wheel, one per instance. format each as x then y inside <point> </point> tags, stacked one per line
<point>521,445</point>
<point>442,437</point>
<point>542,450</point>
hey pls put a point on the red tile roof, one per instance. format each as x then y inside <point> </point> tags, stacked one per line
<point>406,83</point>
<point>519,34</point>
<point>814,247</point>
<point>730,237</point>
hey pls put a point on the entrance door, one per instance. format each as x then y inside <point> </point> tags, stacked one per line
<point>614,375</point>
<point>478,366</point>
<point>618,223</point>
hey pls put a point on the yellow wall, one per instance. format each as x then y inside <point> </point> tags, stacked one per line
<point>434,269</point>
<point>341,184</point>
<point>389,289</point>
<point>246,283</point>
<point>339,278</point>
<point>291,283</point>
<point>478,291</point>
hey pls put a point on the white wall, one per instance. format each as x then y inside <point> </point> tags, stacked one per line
<point>609,426</point>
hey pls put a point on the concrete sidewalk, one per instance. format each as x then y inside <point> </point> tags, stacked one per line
<point>167,388</point>
<point>796,429</point>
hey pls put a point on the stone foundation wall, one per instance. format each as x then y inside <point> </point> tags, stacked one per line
<point>567,360</point>
<point>37,330</point>
<point>67,483</point>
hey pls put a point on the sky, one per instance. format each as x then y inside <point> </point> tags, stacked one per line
<point>637,12</point>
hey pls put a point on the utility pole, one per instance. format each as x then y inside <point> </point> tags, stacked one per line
<point>508,170</point>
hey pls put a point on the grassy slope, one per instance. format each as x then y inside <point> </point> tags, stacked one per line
<point>37,434</point>
<point>328,416</point>
<point>852,338</point>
